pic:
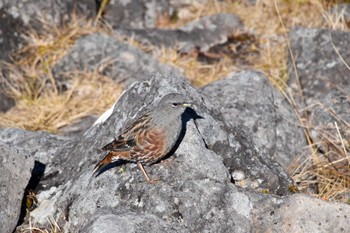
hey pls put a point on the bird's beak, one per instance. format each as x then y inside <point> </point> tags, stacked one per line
<point>187,104</point>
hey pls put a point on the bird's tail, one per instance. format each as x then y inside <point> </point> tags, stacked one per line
<point>109,158</point>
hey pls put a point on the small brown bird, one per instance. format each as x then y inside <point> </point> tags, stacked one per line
<point>151,137</point>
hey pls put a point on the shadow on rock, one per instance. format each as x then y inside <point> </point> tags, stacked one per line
<point>28,200</point>
<point>189,114</point>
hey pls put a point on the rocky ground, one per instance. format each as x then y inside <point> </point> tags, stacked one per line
<point>232,170</point>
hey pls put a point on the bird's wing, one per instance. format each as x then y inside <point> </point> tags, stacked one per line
<point>110,158</point>
<point>128,139</point>
<point>120,144</point>
<point>150,147</point>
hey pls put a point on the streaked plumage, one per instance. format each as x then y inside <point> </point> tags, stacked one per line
<point>151,137</point>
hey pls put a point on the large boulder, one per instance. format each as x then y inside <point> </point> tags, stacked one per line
<point>201,34</point>
<point>340,12</point>
<point>299,213</point>
<point>190,183</point>
<point>78,127</point>
<point>40,146</point>
<point>136,13</point>
<point>333,108</point>
<point>15,170</point>
<point>319,63</point>
<point>18,17</point>
<point>51,12</point>
<point>103,53</point>
<point>248,101</point>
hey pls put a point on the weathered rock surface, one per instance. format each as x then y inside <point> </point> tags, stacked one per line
<point>136,13</point>
<point>52,12</point>
<point>195,176</point>
<point>299,213</point>
<point>333,107</point>
<point>10,37</point>
<point>150,200</point>
<point>320,68</point>
<point>77,128</point>
<point>15,170</point>
<point>6,103</point>
<point>120,61</point>
<point>201,34</point>
<point>248,101</point>
<point>18,16</point>
<point>40,146</point>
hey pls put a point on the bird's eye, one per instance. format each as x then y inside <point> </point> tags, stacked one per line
<point>175,104</point>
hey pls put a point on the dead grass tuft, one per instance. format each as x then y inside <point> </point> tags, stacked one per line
<point>197,72</point>
<point>31,228</point>
<point>89,94</point>
<point>40,102</point>
<point>326,174</point>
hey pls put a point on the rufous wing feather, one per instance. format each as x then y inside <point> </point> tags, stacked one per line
<point>109,158</point>
<point>119,144</point>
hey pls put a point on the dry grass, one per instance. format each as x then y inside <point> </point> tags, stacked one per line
<point>197,72</point>
<point>40,104</point>
<point>90,94</point>
<point>31,228</point>
<point>326,174</point>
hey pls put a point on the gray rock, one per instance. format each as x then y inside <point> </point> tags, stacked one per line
<point>300,213</point>
<point>41,146</point>
<point>194,190</point>
<point>77,128</point>
<point>341,12</point>
<point>52,12</point>
<point>248,101</point>
<point>6,103</point>
<point>15,170</point>
<point>136,13</point>
<point>319,68</point>
<point>126,64</point>
<point>10,36</point>
<point>106,221</point>
<point>333,107</point>
<point>201,34</point>
<point>18,16</point>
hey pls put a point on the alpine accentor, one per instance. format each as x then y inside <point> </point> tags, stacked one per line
<point>151,137</point>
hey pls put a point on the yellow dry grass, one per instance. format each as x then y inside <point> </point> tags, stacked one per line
<point>326,174</point>
<point>197,72</point>
<point>32,228</point>
<point>89,94</point>
<point>39,103</point>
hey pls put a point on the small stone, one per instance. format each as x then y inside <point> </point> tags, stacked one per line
<point>238,175</point>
